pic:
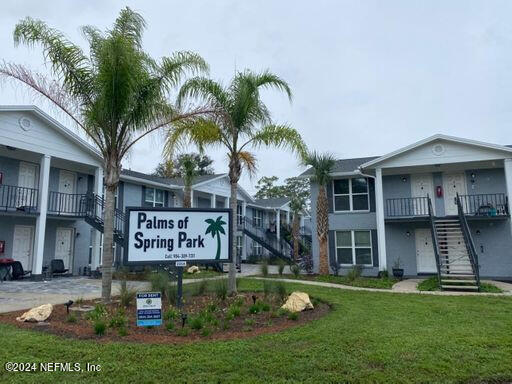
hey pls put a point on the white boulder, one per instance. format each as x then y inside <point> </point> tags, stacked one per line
<point>37,314</point>
<point>298,302</point>
<point>193,269</point>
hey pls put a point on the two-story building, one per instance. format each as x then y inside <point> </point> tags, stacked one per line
<point>51,198</point>
<point>436,206</point>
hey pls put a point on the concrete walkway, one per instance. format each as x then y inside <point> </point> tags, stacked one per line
<point>405,286</point>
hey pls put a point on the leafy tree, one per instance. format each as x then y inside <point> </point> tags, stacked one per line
<point>116,95</point>
<point>175,167</point>
<point>267,189</point>
<point>241,121</point>
<point>216,227</point>
<point>321,165</point>
<point>298,190</point>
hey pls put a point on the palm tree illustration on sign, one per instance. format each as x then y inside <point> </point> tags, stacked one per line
<point>215,227</point>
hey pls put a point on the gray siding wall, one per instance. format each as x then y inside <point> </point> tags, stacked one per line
<point>486,181</point>
<point>132,195</point>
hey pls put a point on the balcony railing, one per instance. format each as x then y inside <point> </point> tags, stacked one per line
<point>18,198</point>
<point>489,204</point>
<point>406,207</point>
<point>72,204</point>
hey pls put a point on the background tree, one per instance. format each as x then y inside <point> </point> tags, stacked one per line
<point>189,171</point>
<point>116,95</point>
<point>298,190</point>
<point>321,165</point>
<point>241,121</point>
<point>267,189</point>
<point>174,167</point>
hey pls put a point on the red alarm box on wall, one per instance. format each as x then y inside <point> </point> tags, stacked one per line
<point>2,246</point>
<point>439,191</point>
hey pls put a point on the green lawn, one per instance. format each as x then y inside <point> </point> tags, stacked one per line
<point>365,282</point>
<point>368,337</point>
<point>432,284</point>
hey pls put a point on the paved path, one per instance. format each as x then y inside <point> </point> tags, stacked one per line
<point>406,286</point>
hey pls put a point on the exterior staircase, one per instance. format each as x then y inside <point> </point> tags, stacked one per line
<point>93,214</point>
<point>276,246</point>
<point>457,261</point>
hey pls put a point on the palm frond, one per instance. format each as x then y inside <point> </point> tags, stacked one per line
<point>267,79</point>
<point>66,59</point>
<point>248,161</point>
<point>173,68</point>
<point>280,136</point>
<point>130,24</point>
<point>206,90</point>
<point>321,164</point>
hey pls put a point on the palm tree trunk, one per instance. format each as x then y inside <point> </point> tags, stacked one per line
<point>322,228</point>
<point>295,235</point>
<point>187,198</point>
<point>233,202</point>
<point>108,238</point>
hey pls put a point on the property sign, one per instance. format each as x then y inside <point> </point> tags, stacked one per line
<point>170,235</point>
<point>149,309</point>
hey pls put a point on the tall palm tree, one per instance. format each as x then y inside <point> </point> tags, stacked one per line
<point>116,95</point>
<point>189,170</point>
<point>297,207</point>
<point>321,165</point>
<point>241,121</point>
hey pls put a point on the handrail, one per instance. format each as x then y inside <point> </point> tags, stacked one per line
<point>95,209</point>
<point>407,207</point>
<point>485,204</point>
<point>60,203</point>
<point>19,198</point>
<point>435,240</point>
<point>276,245</point>
<point>473,256</point>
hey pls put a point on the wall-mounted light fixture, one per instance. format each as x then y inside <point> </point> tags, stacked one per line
<point>478,232</point>
<point>404,179</point>
<point>408,233</point>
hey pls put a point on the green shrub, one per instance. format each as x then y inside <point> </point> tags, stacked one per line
<point>384,274</point>
<point>118,320</point>
<point>265,307</point>
<point>281,291</point>
<point>293,316</point>
<point>205,332</point>
<point>268,287</point>
<point>171,314</point>
<point>221,289</point>
<point>280,267</point>
<point>295,270</point>
<point>225,324</point>
<point>211,307</point>
<point>249,322</point>
<point>274,314</point>
<point>202,287</point>
<point>169,325</point>
<point>239,301</point>
<point>282,312</point>
<point>264,268</point>
<point>233,311</point>
<point>354,273</point>
<point>99,327</point>
<point>255,308</point>
<point>196,323</point>
<point>258,307</point>
<point>122,331</point>
<point>183,332</point>
<point>79,301</point>
<point>126,296</point>
<point>71,318</point>
<point>99,312</point>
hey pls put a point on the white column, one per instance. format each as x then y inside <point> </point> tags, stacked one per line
<point>288,217</point>
<point>44,178</point>
<point>226,202</point>
<point>191,198</point>
<point>381,228</point>
<point>96,235</point>
<point>213,200</point>
<point>244,237</point>
<point>508,180</point>
<point>278,224</point>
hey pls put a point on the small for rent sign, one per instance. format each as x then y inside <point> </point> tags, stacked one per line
<point>149,309</point>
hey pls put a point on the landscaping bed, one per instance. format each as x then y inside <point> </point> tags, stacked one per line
<point>432,284</point>
<point>208,317</point>
<point>360,281</point>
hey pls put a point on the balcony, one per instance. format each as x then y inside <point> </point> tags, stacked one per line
<point>485,205</point>
<point>67,204</point>
<point>19,199</point>
<point>406,207</point>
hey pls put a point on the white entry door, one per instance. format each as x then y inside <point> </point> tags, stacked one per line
<point>23,247</point>
<point>425,257</point>
<point>67,187</point>
<point>422,185</point>
<point>64,246</point>
<point>27,178</point>
<point>453,183</point>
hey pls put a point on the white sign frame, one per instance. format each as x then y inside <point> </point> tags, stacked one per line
<point>132,256</point>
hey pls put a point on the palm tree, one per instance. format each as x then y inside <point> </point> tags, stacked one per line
<point>297,207</point>
<point>216,228</point>
<point>115,93</point>
<point>189,170</point>
<point>321,165</point>
<point>241,121</point>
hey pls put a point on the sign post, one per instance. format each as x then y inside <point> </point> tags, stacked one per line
<point>175,236</point>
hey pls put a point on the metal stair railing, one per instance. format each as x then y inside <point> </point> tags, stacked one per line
<point>277,246</point>
<point>95,214</point>
<point>435,240</point>
<point>468,239</point>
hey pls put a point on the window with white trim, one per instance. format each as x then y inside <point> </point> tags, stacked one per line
<point>354,248</point>
<point>239,214</point>
<point>154,197</point>
<point>257,249</point>
<point>351,195</point>
<point>239,245</point>
<point>258,218</point>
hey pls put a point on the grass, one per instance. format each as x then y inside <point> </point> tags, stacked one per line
<point>431,284</point>
<point>364,282</point>
<point>367,337</point>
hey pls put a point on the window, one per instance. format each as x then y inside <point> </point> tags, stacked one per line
<point>239,214</point>
<point>154,197</point>
<point>351,195</point>
<point>354,247</point>
<point>258,218</point>
<point>239,246</point>
<point>257,249</point>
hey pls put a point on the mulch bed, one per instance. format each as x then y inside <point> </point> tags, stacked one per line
<point>243,326</point>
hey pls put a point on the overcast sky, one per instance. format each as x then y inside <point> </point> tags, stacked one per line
<point>368,76</point>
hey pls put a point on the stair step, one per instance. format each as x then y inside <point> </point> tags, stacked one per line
<point>459,281</point>
<point>456,275</point>
<point>472,287</point>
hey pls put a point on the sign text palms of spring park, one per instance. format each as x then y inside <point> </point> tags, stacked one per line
<point>167,235</point>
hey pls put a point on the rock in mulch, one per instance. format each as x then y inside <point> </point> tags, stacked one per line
<point>193,269</point>
<point>298,302</point>
<point>37,314</point>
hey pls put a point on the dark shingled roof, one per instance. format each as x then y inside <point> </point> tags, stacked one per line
<point>165,180</point>
<point>272,203</point>
<point>345,165</point>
